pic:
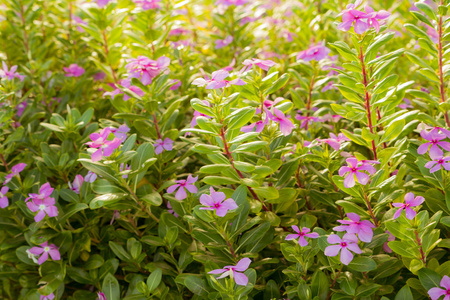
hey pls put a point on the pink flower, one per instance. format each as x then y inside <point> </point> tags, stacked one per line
<point>355,169</point>
<point>77,183</point>
<point>231,2</point>
<point>284,122</point>
<point>216,202</point>
<point>44,192</point>
<point>263,64</point>
<point>15,170</point>
<point>217,81</point>
<point>121,132</point>
<point>355,226</point>
<point>161,145</point>
<point>43,206</point>
<point>105,147</point>
<point>259,125</point>
<point>124,167</point>
<point>21,108</point>
<point>436,293</point>
<point>199,114</point>
<point>101,296</point>
<point>179,31</point>
<point>48,297</point>
<point>335,141</point>
<point>11,73</point>
<point>410,201</point>
<point>329,86</point>
<point>99,76</point>
<point>437,163</point>
<point>435,140</point>
<point>79,20</point>
<point>317,53</point>
<point>45,250</point>
<point>239,278</point>
<point>407,104</point>
<point>127,84</point>
<point>349,242</point>
<point>223,43</point>
<point>74,70</point>
<point>386,247</point>
<point>3,199</point>
<point>102,3</point>
<point>147,69</point>
<point>301,235</point>
<point>90,177</point>
<point>306,120</point>
<point>373,17</point>
<point>181,185</point>
<point>176,84</point>
<point>350,15</point>
<point>170,209</point>
<point>148,4</point>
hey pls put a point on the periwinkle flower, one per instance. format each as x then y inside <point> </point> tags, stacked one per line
<point>100,141</point>
<point>231,2</point>
<point>73,70</point>
<point>435,139</point>
<point>181,185</point>
<point>301,234</point>
<point>199,114</point>
<point>436,293</point>
<point>355,169</point>
<point>177,84</point>
<point>161,145</point>
<point>216,201</point>
<point>3,199</point>
<point>306,120</point>
<point>11,73</point>
<point>217,81</point>
<point>127,84</point>
<point>45,250</point>
<point>77,183</point>
<point>284,122</point>
<point>437,163</point>
<point>391,238</point>
<point>223,43</point>
<point>47,297</point>
<point>317,53</point>
<point>101,296</point>
<point>410,201</point>
<point>21,108</point>
<point>239,278</point>
<point>99,76</point>
<point>124,167</point>
<point>355,226</point>
<point>263,64</point>
<point>44,192</point>
<point>121,132</point>
<point>349,242</point>
<point>90,177</point>
<point>44,207</point>
<point>406,104</point>
<point>374,16</point>
<point>15,170</point>
<point>148,4</point>
<point>335,141</point>
<point>258,126</point>
<point>102,3</point>
<point>146,69</point>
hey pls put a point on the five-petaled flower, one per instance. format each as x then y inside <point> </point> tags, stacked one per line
<point>147,69</point>
<point>161,145</point>
<point>148,4</point>
<point>74,70</point>
<point>90,177</point>
<point>435,139</point>
<point>223,43</point>
<point>120,132</point>
<point>301,235</point>
<point>43,206</point>
<point>317,53</point>
<point>127,84</point>
<point>181,185</point>
<point>410,201</point>
<point>47,297</point>
<point>284,122</point>
<point>349,242</point>
<point>3,199</point>
<point>437,163</point>
<point>11,73</point>
<point>436,293</point>
<point>218,81</point>
<point>45,249</point>
<point>44,192</point>
<point>355,169</point>
<point>77,183</point>
<point>100,141</point>
<point>216,201</point>
<point>263,64</point>
<point>234,271</point>
<point>102,3</point>
<point>15,170</point>
<point>335,141</point>
<point>362,228</point>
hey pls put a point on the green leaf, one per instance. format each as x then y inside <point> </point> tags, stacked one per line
<point>320,285</point>
<point>403,249</point>
<point>72,209</point>
<point>119,251</point>
<point>427,10</point>
<point>252,236</point>
<point>152,199</point>
<point>367,289</point>
<point>278,84</point>
<point>240,117</point>
<point>99,169</point>
<point>429,278</point>
<point>111,288</point>
<point>219,180</point>
<point>103,186</point>
<point>106,199</point>
<point>394,130</point>
<point>154,279</point>
<point>196,285</point>
<point>252,146</point>
<point>362,264</point>
<point>404,293</point>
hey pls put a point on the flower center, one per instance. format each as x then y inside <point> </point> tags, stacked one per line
<point>217,205</point>
<point>441,161</point>
<point>42,207</point>
<point>354,169</point>
<point>343,244</point>
<point>46,249</point>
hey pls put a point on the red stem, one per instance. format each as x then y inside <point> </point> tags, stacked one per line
<point>441,76</point>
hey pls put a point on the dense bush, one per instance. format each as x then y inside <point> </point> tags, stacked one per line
<point>236,149</point>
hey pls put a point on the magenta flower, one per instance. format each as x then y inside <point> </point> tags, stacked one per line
<point>217,202</point>
<point>77,183</point>
<point>301,235</point>
<point>306,120</point>
<point>44,192</point>
<point>161,145</point>
<point>73,70</point>
<point>317,53</point>
<point>45,249</point>
<point>217,81</point>
<point>43,207</point>
<point>386,247</point>
<point>410,201</point>
<point>170,209</point>
<point>121,132</point>
<point>90,177</point>
<point>239,278</point>
<point>127,84</point>
<point>177,84</point>
<point>437,163</point>
<point>355,169</point>
<point>284,122</point>
<point>3,199</point>
<point>335,141</point>
<point>436,293</point>
<point>231,2</point>
<point>105,147</point>
<point>11,73</point>
<point>199,114</point>
<point>181,185</point>
<point>350,15</point>
<point>355,226</point>
<point>259,125</point>
<point>21,108</point>
<point>48,297</point>
<point>148,4</point>
<point>102,3</point>
<point>329,86</point>
<point>406,104</point>
<point>99,76</point>
<point>124,168</point>
<point>263,64</point>
<point>79,21</point>
<point>349,242</point>
<point>434,138</point>
<point>223,43</point>
<point>147,69</point>
<point>101,296</point>
<point>373,17</point>
<point>15,170</point>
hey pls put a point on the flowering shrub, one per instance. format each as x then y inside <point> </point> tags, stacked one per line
<point>225,149</point>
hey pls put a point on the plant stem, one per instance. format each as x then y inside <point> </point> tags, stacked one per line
<point>441,76</point>
<point>419,242</point>
<point>155,122</point>
<point>369,207</point>
<point>334,282</point>
<point>367,101</point>
<point>4,162</point>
